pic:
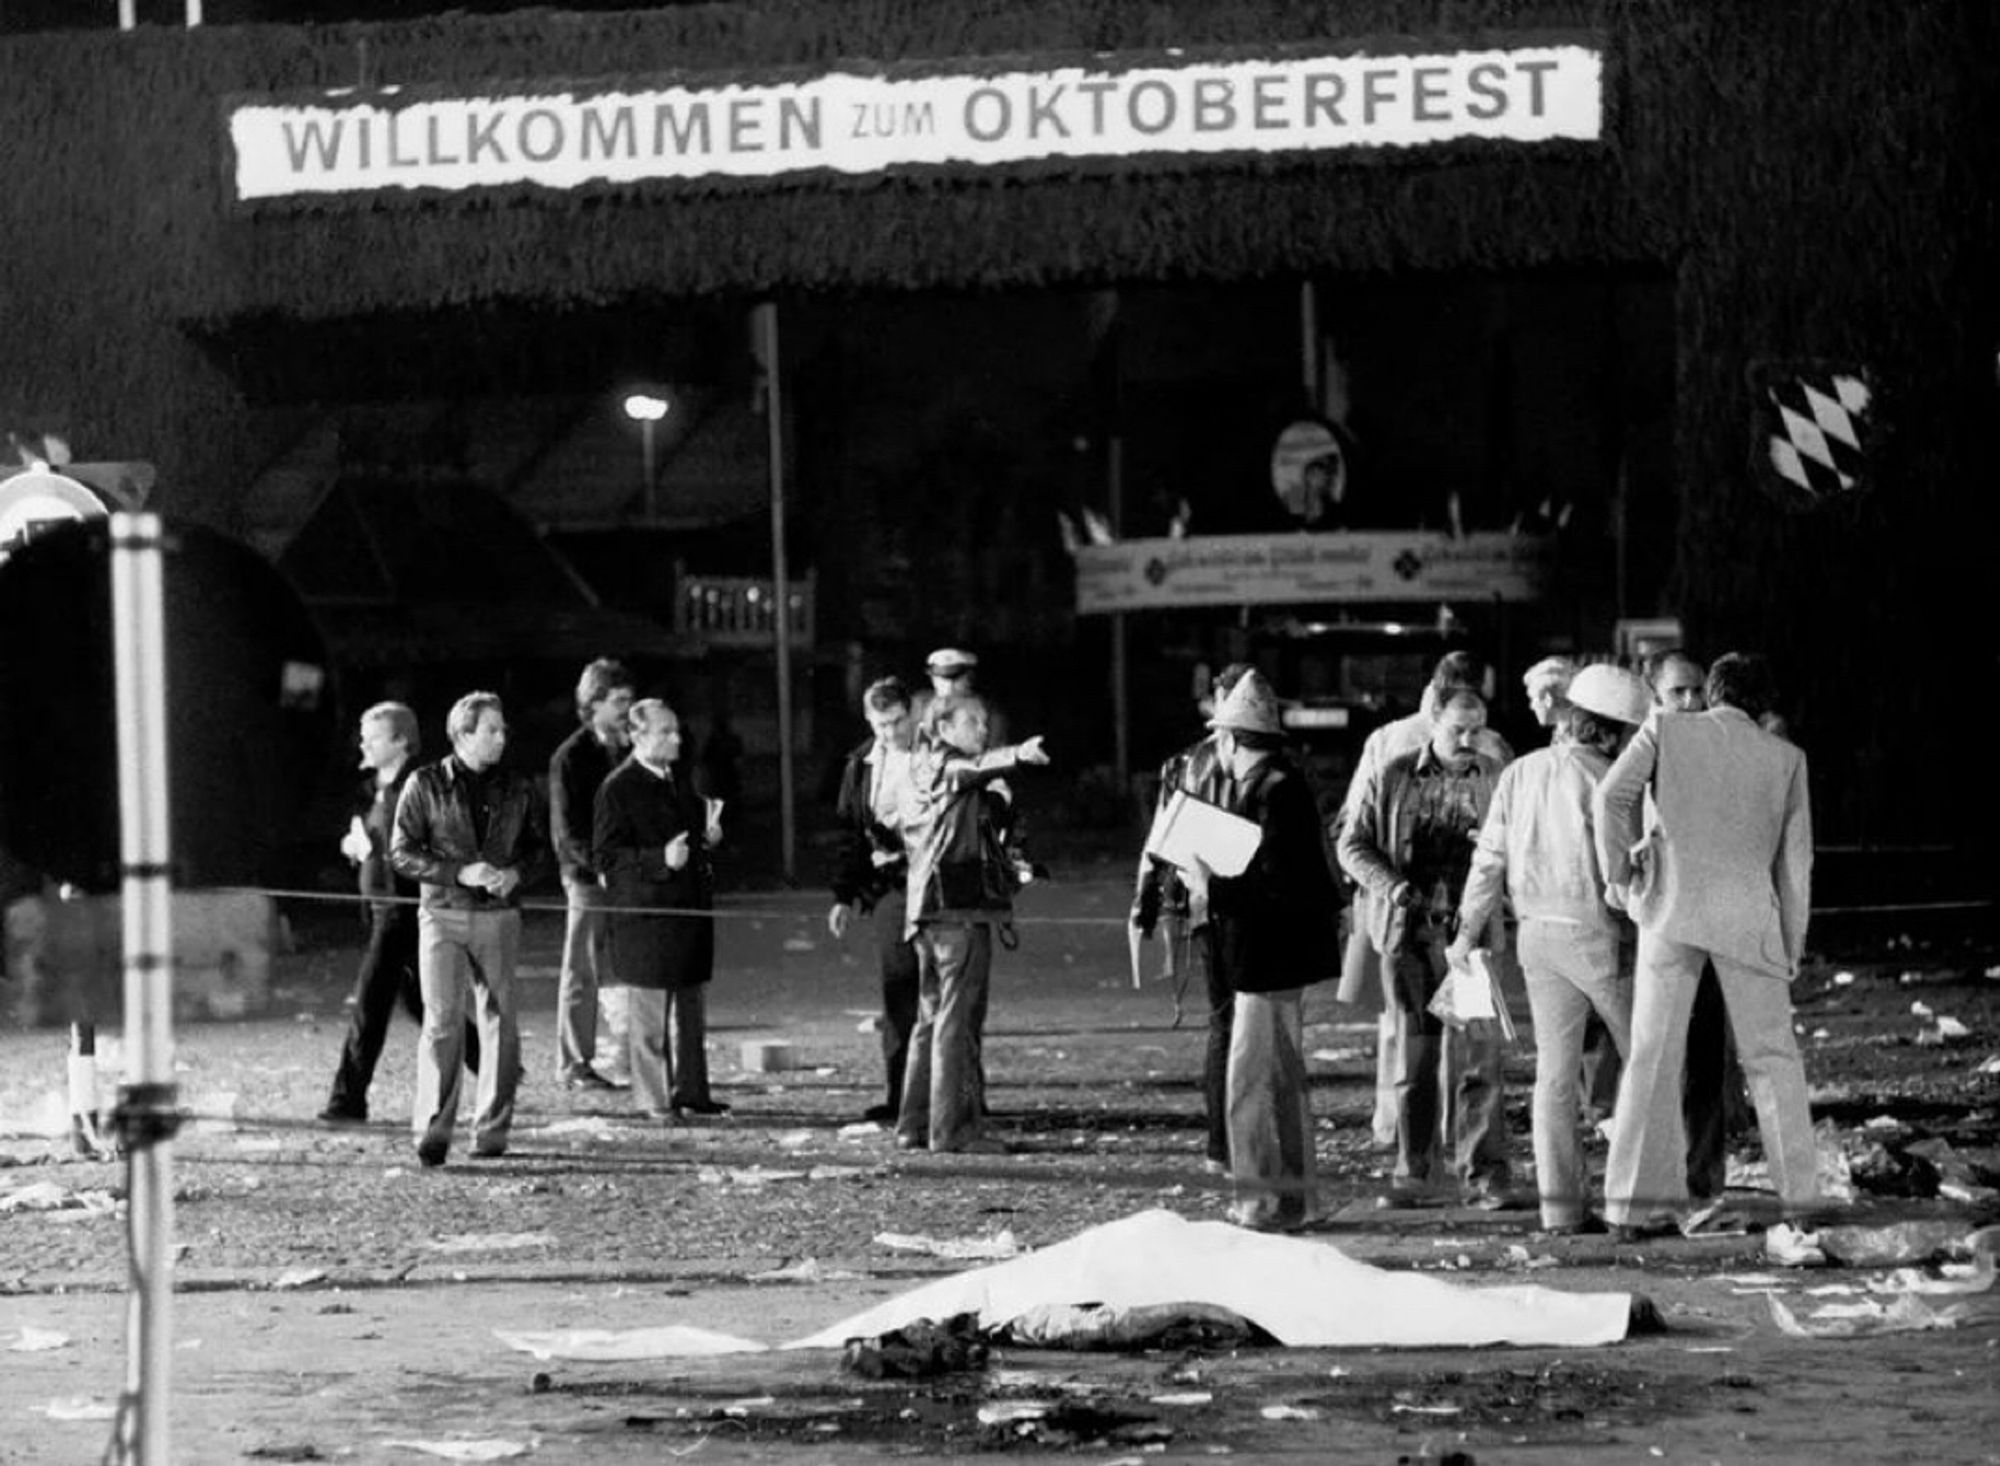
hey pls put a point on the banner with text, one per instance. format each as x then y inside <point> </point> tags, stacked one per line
<point>565,136</point>
<point>1229,570</point>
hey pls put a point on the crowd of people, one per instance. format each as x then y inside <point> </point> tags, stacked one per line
<point>444,850</point>
<point>1646,874</point>
<point>1649,866</point>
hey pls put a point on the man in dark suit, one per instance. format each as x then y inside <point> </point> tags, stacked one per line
<point>872,868</point>
<point>653,834</point>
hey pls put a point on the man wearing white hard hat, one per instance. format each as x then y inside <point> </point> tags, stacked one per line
<point>1539,845</point>
<point>1273,930</point>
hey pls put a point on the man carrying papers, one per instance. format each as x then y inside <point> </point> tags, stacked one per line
<point>1272,930</point>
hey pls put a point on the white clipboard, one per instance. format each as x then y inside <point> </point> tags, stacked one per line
<point>1187,826</point>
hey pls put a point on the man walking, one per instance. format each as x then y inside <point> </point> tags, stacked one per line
<point>1409,843</point>
<point>580,765</point>
<point>470,831</point>
<point>652,840</point>
<point>1726,878</point>
<point>389,741</point>
<point>872,868</point>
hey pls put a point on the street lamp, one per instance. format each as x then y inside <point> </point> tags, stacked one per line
<point>646,410</point>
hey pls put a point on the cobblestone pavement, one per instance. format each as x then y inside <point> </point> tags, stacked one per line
<point>335,1298</point>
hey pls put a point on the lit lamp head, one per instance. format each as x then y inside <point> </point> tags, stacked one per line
<point>644,407</point>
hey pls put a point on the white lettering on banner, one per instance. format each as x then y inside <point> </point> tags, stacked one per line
<point>1230,570</point>
<point>348,141</point>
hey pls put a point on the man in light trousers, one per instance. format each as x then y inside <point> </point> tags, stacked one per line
<point>1726,877</point>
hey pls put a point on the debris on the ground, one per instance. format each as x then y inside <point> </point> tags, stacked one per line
<point>1183,1398</point>
<point>52,1196</point>
<point>1790,1246</point>
<point>1289,1412</point>
<point>665,1342</point>
<point>36,1341</point>
<point>1889,1246</point>
<point>484,1450</point>
<point>298,1277</point>
<point>1002,1245</point>
<point>807,1270</point>
<point>1908,1314</point>
<point>752,1176</point>
<point>491,1241</point>
<point>80,1407</point>
<point>1946,1030</point>
<point>1951,1277</point>
<point>918,1349</point>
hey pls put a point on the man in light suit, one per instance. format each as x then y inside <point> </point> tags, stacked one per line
<point>1725,878</point>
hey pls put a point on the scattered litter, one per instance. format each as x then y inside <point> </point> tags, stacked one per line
<point>1843,979</point>
<point>1402,1409</point>
<point>794,1139</point>
<point>80,1407</point>
<point>918,1350</point>
<point>1339,1056</point>
<point>1291,1412</point>
<point>767,1056</point>
<point>838,1173</point>
<point>669,1341</point>
<point>808,1270</point>
<point>1007,1412</point>
<point>1710,1349</point>
<point>491,1241</point>
<point>595,1125</point>
<point>1922,1009</point>
<point>1003,1245</point>
<point>1947,1030</point>
<point>37,1341</point>
<point>1952,1277</point>
<point>862,1130</point>
<point>488,1450</point>
<point>1716,1218</point>
<point>298,1277</point>
<point>52,1196</point>
<point>1828,1290</point>
<point>1788,1246</point>
<point>1991,1066</point>
<point>1846,1321</point>
<point>1183,1397</point>
<point>871,1024</point>
<point>745,1176</point>
<point>740,1409</point>
<point>1903,1242</point>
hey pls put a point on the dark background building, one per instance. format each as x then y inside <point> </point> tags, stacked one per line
<point>410,403</point>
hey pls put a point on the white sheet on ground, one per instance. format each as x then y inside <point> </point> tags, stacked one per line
<point>1304,1293</point>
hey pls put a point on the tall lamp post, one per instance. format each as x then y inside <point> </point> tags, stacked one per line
<point>646,410</point>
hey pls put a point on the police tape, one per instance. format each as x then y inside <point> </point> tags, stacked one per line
<point>561,908</point>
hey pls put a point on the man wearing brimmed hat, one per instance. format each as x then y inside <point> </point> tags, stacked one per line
<point>1273,931</point>
<point>1726,877</point>
<point>1408,843</point>
<point>1539,844</point>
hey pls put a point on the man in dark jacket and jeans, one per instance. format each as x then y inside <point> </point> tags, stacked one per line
<point>388,741</point>
<point>871,869</point>
<point>470,830</point>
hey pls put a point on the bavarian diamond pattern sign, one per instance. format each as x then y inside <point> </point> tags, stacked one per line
<point>1817,427</point>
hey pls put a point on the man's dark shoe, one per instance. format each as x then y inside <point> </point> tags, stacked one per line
<point>880,1114</point>
<point>342,1115</point>
<point>1590,1226</point>
<point>704,1107</point>
<point>1408,1196</point>
<point>430,1154</point>
<point>587,1079</point>
<point>490,1150</point>
<point>912,1142</point>
<point>1647,1229</point>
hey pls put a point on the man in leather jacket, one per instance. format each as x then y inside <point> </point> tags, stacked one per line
<point>470,831</point>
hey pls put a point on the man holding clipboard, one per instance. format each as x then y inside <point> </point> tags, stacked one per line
<point>1257,870</point>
